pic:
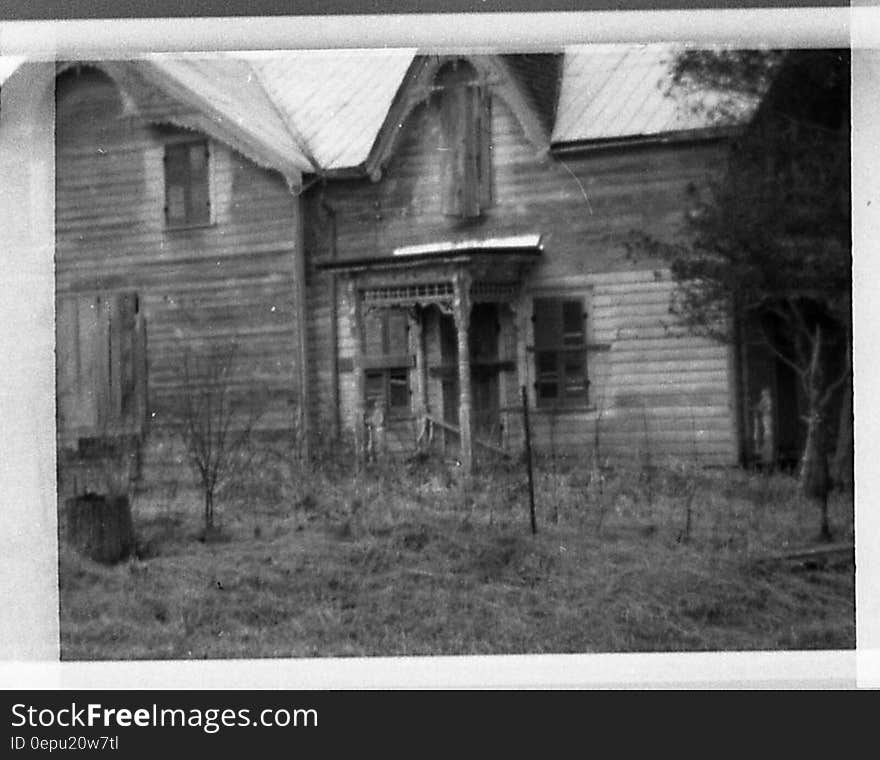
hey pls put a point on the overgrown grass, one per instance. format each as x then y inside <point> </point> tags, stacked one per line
<point>408,560</point>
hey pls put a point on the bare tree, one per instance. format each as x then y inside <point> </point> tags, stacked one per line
<point>214,423</point>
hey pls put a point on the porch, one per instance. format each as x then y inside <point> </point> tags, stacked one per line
<point>436,343</point>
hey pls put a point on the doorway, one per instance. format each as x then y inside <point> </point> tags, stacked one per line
<point>483,348</point>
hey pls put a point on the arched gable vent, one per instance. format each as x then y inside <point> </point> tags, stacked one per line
<point>430,73</point>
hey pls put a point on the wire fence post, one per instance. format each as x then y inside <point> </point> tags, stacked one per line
<point>525,408</point>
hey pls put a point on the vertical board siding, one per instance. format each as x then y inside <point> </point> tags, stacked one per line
<point>655,387</point>
<point>209,286</point>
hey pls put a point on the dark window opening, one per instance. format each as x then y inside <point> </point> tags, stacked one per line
<point>560,352</point>
<point>187,184</point>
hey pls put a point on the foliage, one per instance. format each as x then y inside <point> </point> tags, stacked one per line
<point>774,230</point>
<point>769,242</point>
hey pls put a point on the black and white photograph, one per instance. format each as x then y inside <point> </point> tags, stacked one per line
<point>427,351</point>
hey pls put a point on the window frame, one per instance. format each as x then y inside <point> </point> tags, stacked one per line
<point>184,178</point>
<point>572,343</point>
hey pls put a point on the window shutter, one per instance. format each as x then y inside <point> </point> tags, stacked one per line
<point>451,153</point>
<point>187,183</point>
<point>486,177</point>
<point>126,361</point>
<point>177,179</point>
<point>548,327</point>
<point>548,322</point>
<point>469,130</point>
<point>199,211</point>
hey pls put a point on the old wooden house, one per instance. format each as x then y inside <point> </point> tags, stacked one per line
<point>178,236</point>
<point>395,243</point>
<point>476,245</point>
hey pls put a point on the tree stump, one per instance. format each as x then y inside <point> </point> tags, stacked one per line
<point>99,527</point>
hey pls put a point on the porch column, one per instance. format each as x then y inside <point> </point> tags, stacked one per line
<point>417,333</point>
<point>461,309</point>
<point>356,327</point>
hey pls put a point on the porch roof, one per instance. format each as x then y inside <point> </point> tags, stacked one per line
<point>517,248</point>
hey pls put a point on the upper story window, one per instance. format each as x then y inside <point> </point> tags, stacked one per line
<point>187,184</point>
<point>466,116</point>
<point>561,352</point>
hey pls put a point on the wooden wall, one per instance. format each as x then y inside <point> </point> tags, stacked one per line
<point>654,386</point>
<point>230,281</point>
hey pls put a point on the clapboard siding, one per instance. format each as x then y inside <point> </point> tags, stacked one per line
<point>624,192</point>
<point>228,282</point>
<point>651,388</point>
<point>654,385</point>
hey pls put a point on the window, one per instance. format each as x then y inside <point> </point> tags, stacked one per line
<point>387,361</point>
<point>187,184</point>
<point>560,352</point>
<point>466,115</point>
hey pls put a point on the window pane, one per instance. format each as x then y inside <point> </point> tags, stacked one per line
<point>197,157</point>
<point>572,323</point>
<point>398,389</point>
<point>176,202</point>
<point>547,363</point>
<point>199,210</point>
<point>547,391</point>
<point>176,166</point>
<point>575,370</point>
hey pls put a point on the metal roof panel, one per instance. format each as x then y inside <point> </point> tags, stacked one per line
<point>337,100</point>
<point>621,91</point>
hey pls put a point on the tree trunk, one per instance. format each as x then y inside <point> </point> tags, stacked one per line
<point>815,481</point>
<point>99,527</point>
<point>209,510</point>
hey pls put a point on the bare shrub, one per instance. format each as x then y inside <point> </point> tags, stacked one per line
<point>214,424</point>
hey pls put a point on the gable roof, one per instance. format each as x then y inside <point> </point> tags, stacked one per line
<point>335,110</point>
<point>612,92</point>
<point>228,91</point>
<point>337,101</point>
<point>218,96</point>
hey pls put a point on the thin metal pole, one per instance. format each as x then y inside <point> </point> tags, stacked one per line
<point>525,408</point>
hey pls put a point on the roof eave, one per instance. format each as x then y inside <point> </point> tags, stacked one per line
<point>217,125</point>
<point>708,134</point>
<point>460,256</point>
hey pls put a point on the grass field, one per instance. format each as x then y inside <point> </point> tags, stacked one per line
<point>408,561</point>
